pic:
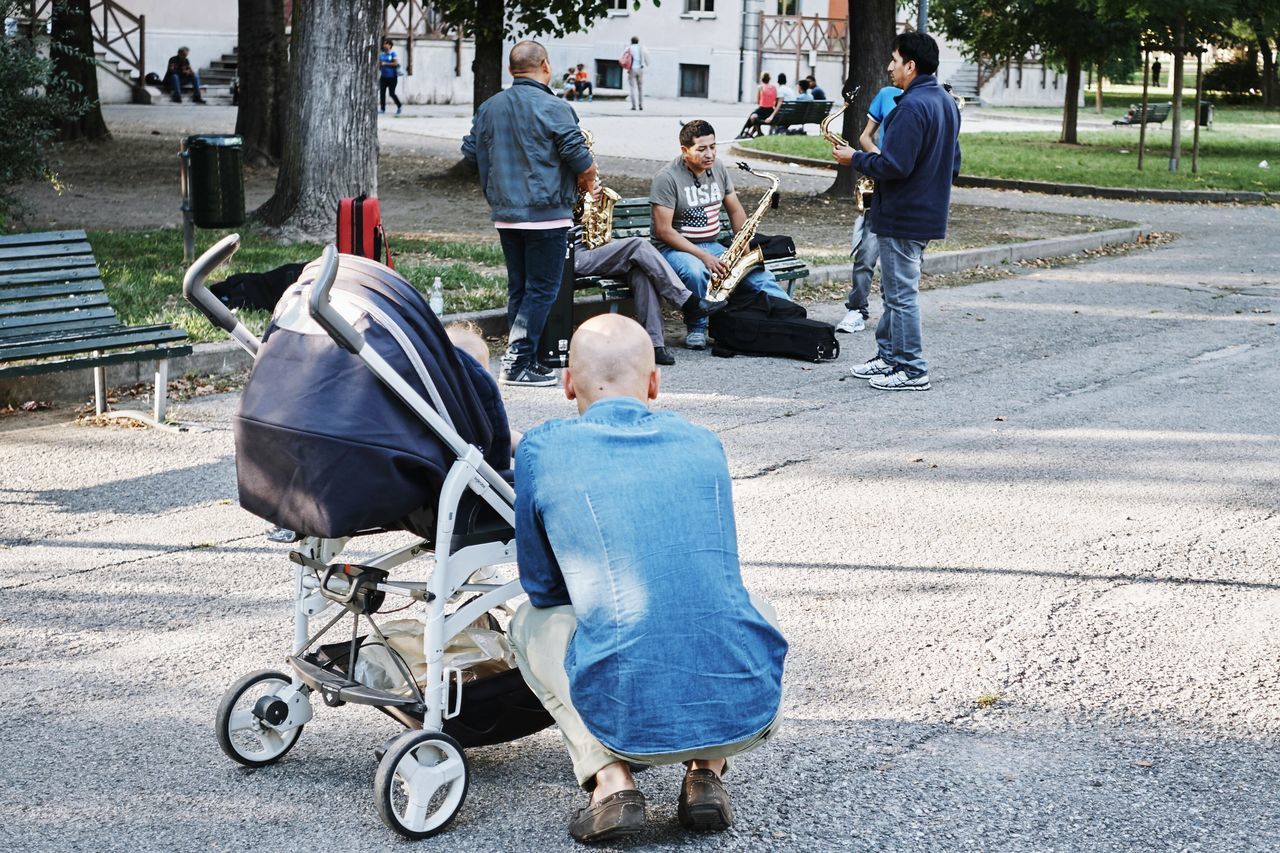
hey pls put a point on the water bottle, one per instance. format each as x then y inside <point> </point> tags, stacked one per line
<point>437,297</point>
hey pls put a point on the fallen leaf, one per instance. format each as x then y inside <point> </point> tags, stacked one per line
<point>921,459</point>
<point>999,417</point>
<point>1143,762</point>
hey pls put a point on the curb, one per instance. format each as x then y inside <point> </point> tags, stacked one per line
<point>1047,188</point>
<point>76,386</point>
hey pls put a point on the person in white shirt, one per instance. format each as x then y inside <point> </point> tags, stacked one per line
<point>785,92</point>
<point>635,74</point>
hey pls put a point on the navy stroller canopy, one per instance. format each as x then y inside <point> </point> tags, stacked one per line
<point>323,447</point>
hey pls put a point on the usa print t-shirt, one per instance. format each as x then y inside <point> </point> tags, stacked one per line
<point>696,201</point>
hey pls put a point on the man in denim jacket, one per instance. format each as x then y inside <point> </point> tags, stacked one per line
<point>638,637</point>
<point>533,160</point>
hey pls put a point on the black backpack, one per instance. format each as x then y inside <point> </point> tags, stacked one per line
<point>755,323</point>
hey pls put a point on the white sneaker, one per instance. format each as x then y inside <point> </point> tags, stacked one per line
<point>852,322</point>
<point>696,339</point>
<point>875,367</point>
<point>899,381</point>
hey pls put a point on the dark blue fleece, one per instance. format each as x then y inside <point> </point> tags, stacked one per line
<point>918,161</point>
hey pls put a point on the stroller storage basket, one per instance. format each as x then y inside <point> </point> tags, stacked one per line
<point>495,709</point>
<point>326,449</point>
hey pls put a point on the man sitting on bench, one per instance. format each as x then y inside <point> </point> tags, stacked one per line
<point>686,197</point>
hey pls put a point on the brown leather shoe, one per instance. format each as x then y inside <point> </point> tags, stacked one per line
<point>616,815</point>
<point>704,803</point>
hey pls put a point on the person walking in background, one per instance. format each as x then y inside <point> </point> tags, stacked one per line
<point>179,73</point>
<point>918,161</point>
<point>865,249</point>
<point>533,160</point>
<point>1155,73</point>
<point>639,61</point>
<point>388,75</point>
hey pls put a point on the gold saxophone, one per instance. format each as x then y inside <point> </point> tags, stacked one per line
<point>596,216</point>
<point>740,258</point>
<point>865,187</point>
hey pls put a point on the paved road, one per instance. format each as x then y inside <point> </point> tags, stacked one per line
<point>1079,521</point>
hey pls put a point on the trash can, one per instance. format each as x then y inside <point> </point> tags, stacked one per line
<point>216,180</point>
<point>1206,114</point>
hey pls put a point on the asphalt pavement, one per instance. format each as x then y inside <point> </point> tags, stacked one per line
<point>1032,609</point>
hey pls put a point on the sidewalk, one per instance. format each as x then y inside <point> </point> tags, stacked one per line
<point>1030,609</point>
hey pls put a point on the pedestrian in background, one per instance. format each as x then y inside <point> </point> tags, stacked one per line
<point>637,59</point>
<point>389,75</point>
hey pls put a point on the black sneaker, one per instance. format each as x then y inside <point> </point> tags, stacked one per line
<point>695,308</point>
<point>662,356</point>
<point>525,374</point>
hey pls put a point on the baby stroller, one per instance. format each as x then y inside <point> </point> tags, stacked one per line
<point>359,417</point>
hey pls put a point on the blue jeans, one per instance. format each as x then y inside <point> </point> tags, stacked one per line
<point>865,251</point>
<point>695,276</point>
<point>898,334</point>
<point>535,265</point>
<point>175,83</point>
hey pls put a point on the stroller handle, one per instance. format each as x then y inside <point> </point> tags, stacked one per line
<point>323,312</point>
<point>209,305</point>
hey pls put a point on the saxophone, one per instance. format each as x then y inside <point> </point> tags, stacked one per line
<point>740,258</point>
<point>865,187</point>
<point>596,216</point>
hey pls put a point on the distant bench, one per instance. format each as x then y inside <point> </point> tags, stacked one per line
<point>1156,114</point>
<point>799,113</point>
<point>632,217</point>
<point>55,316</point>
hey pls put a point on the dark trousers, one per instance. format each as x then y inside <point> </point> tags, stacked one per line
<point>388,84</point>
<point>535,264</point>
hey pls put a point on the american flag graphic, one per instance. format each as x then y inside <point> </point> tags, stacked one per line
<point>700,223</point>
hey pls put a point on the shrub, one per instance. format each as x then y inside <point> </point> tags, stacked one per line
<point>1238,77</point>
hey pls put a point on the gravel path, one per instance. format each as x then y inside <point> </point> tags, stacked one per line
<point>1033,609</point>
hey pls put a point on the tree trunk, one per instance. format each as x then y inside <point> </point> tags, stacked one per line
<point>330,130</point>
<point>1270,95</point>
<point>1070,107</point>
<point>1175,115</point>
<point>1097,98</point>
<point>872,27</point>
<point>486,69</point>
<point>72,48</point>
<point>263,71</point>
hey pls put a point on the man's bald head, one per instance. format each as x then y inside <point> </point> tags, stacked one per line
<point>610,356</point>
<point>526,58</point>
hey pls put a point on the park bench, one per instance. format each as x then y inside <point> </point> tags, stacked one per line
<point>55,316</point>
<point>1156,114</point>
<point>632,217</point>
<point>798,114</point>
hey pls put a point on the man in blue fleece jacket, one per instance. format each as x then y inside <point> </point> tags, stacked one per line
<point>918,161</point>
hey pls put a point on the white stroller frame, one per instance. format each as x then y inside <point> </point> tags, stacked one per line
<point>426,767</point>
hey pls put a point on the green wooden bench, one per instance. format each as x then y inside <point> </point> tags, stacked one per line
<point>798,114</point>
<point>632,217</point>
<point>1156,114</point>
<point>55,316</point>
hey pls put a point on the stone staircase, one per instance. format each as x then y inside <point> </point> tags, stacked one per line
<point>964,82</point>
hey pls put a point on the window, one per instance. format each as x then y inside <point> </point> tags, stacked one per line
<point>699,6</point>
<point>608,74</point>
<point>693,80</point>
<point>618,5</point>
<point>786,7</point>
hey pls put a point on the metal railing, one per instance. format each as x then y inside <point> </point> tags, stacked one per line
<point>119,33</point>
<point>414,20</point>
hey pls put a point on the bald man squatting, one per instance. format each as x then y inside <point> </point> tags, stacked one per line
<point>639,637</point>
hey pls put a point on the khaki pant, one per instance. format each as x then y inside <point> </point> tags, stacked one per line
<point>540,637</point>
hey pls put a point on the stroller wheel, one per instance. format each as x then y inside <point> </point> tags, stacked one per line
<point>243,735</point>
<point>421,783</point>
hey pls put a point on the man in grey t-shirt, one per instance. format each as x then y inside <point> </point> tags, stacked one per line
<point>687,197</point>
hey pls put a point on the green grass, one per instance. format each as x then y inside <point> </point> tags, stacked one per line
<point>1117,100</point>
<point>143,270</point>
<point>1228,161</point>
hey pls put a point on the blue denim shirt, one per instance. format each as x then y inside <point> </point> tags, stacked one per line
<point>529,151</point>
<point>627,514</point>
